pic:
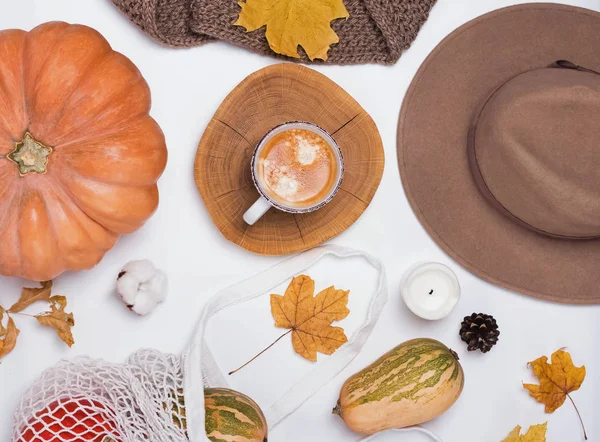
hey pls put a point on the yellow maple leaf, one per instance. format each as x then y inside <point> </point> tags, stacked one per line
<point>536,433</point>
<point>308,318</point>
<point>557,380</point>
<point>293,23</point>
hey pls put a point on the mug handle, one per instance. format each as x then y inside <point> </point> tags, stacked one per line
<point>258,209</point>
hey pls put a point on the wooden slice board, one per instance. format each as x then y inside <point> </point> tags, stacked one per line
<point>267,98</point>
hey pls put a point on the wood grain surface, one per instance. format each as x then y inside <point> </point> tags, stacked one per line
<point>269,97</point>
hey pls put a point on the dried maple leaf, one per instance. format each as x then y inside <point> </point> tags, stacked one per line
<point>557,380</point>
<point>309,318</point>
<point>58,319</point>
<point>536,433</point>
<point>30,295</point>
<point>293,23</point>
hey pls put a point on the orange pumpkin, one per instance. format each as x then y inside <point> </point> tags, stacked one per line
<point>79,154</point>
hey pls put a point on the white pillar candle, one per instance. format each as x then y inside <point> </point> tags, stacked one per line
<point>430,290</point>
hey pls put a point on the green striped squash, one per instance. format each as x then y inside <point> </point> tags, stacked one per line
<point>413,383</point>
<point>233,417</point>
<point>230,416</point>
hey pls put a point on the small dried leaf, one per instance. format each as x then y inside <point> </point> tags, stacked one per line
<point>58,303</point>
<point>10,339</point>
<point>58,319</point>
<point>310,317</point>
<point>59,324</point>
<point>30,295</point>
<point>2,329</point>
<point>536,433</point>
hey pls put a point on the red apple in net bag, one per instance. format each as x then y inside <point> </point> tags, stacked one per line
<point>71,420</point>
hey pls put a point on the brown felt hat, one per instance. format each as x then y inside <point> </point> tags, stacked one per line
<point>499,149</point>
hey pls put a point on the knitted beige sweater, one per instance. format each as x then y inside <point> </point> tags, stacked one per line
<point>378,31</point>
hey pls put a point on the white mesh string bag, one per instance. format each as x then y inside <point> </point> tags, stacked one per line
<point>92,400</point>
<point>155,397</point>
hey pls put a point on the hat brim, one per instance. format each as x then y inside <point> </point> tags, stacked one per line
<point>432,149</point>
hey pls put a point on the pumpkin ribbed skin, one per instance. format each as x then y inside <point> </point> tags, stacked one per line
<point>233,416</point>
<point>411,384</point>
<point>66,87</point>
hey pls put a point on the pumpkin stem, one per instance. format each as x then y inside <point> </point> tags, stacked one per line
<point>338,409</point>
<point>30,155</point>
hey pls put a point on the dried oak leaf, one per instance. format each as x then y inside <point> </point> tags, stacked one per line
<point>557,380</point>
<point>536,433</point>
<point>309,318</point>
<point>58,319</point>
<point>30,295</point>
<point>293,23</point>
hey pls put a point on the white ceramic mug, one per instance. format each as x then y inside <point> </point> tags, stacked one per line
<point>264,203</point>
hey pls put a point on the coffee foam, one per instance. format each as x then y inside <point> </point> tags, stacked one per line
<point>306,152</point>
<point>297,168</point>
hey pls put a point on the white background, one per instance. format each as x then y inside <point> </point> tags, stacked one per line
<point>187,87</point>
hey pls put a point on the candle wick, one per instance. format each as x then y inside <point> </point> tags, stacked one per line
<point>431,292</point>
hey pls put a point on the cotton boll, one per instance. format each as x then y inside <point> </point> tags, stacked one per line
<point>142,269</point>
<point>127,287</point>
<point>142,286</point>
<point>143,305</point>
<point>156,288</point>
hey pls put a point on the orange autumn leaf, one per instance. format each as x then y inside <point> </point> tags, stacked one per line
<point>557,381</point>
<point>309,318</point>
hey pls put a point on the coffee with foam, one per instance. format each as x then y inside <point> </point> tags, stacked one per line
<point>297,168</point>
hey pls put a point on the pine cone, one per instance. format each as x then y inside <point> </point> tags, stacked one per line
<point>479,331</point>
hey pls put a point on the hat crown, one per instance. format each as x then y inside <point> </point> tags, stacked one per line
<point>536,150</point>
